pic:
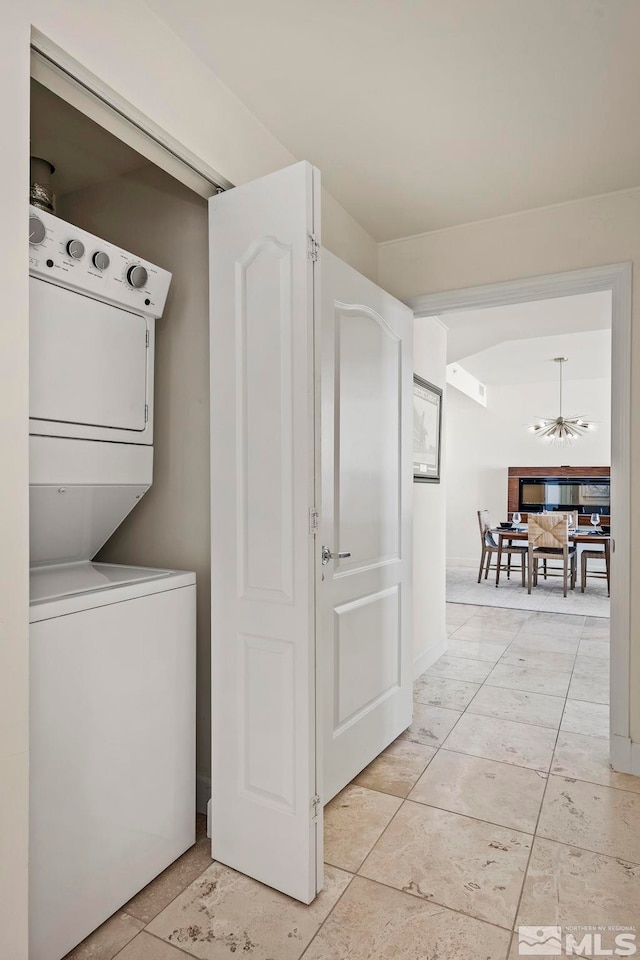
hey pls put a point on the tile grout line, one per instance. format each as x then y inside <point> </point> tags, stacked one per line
<point>166,943</point>
<point>544,794</point>
<point>566,697</point>
<point>173,899</point>
<point>406,800</point>
<point>434,806</point>
<point>595,853</point>
<point>535,831</point>
<point>489,823</point>
<point>400,805</point>
<point>425,899</point>
<point>352,875</point>
<point>436,903</point>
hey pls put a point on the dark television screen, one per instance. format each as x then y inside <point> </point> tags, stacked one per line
<point>586,495</point>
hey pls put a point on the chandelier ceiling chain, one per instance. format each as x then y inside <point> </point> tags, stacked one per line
<point>561,429</point>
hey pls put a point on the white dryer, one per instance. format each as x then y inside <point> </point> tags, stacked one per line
<point>112,648</point>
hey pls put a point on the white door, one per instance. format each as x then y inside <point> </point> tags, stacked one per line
<point>266,821</point>
<point>364,599</point>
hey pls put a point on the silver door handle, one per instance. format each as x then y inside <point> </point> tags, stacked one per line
<point>327,555</point>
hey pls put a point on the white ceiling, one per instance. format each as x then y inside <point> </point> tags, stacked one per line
<point>473,331</point>
<point>423,114</point>
<point>83,152</point>
<point>531,360</point>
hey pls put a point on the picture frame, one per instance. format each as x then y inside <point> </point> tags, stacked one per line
<point>427,431</point>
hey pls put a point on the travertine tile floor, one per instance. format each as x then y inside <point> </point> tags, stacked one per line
<point>496,808</point>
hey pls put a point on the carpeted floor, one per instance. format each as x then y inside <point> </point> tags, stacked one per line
<point>462,587</point>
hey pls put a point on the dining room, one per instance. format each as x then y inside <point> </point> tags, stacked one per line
<point>527,436</point>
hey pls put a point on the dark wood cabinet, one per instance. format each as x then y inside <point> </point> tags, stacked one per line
<point>568,492</point>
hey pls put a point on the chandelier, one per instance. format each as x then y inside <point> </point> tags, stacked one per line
<point>561,429</point>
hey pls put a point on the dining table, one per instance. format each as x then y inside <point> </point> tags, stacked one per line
<point>575,536</point>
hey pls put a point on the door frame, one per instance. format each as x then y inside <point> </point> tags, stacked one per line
<point>616,278</point>
<point>59,72</point>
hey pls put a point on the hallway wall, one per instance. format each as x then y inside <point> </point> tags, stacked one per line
<point>429,512</point>
<point>568,236</point>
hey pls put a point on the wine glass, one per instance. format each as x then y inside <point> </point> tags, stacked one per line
<point>517,519</point>
<point>595,520</point>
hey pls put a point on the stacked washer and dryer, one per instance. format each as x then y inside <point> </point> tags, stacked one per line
<point>112,648</point>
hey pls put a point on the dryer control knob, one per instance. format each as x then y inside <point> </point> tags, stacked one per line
<point>37,230</point>
<point>75,249</point>
<point>101,260</point>
<point>137,276</point>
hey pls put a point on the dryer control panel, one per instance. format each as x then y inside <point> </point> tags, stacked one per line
<point>70,257</point>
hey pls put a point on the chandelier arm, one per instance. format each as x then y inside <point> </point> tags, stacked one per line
<point>561,365</point>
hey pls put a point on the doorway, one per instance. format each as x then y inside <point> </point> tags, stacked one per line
<point>503,379</point>
<point>616,279</point>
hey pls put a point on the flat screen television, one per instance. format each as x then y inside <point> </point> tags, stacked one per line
<point>584,494</point>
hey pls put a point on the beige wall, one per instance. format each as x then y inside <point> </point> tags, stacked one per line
<point>429,514</point>
<point>571,236</point>
<point>344,236</point>
<point>135,54</point>
<point>152,215</point>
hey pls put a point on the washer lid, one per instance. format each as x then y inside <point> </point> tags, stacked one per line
<point>58,581</point>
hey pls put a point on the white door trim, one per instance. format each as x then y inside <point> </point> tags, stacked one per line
<point>616,277</point>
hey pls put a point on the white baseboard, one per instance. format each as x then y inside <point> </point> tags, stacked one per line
<point>428,656</point>
<point>203,792</point>
<point>625,755</point>
<point>473,562</point>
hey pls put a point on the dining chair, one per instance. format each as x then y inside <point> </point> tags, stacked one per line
<point>490,547</point>
<point>548,539</point>
<point>572,517</point>
<point>587,555</point>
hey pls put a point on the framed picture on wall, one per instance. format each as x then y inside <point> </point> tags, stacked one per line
<point>427,427</point>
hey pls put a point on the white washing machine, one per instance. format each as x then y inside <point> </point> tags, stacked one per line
<point>112,648</point>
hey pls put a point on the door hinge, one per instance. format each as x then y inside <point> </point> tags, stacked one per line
<point>313,248</point>
<point>146,413</point>
<point>314,520</point>
<point>146,338</point>
<point>316,804</point>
